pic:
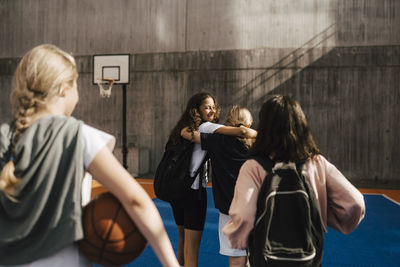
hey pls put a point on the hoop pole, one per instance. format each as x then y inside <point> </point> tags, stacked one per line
<point>124,146</point>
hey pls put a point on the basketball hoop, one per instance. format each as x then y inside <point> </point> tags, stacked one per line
<point>105,93</point>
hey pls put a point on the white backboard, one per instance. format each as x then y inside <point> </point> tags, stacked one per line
<point>111,67</point>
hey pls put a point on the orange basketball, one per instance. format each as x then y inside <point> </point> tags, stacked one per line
<point>111,237</point>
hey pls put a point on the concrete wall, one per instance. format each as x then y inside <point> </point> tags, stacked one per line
<point>340,59</point>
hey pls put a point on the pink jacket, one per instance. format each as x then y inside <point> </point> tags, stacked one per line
<point>341,205</point>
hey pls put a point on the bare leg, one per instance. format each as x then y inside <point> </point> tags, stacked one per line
<point>237,261</point>
<point>192,247</point>
<point>181,243</point>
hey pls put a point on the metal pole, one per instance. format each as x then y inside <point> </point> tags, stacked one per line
<point>124,146</point>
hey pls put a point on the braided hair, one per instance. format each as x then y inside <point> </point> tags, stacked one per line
<point>40,76</point>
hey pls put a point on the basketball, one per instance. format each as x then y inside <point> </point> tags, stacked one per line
<point>111,237</point>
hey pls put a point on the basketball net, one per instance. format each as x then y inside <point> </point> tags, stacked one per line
<point>105,93</point>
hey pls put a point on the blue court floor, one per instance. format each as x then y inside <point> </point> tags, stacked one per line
<point>376,242</point>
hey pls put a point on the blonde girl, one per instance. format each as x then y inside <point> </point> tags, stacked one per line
<point>240,116</point>
<point>44,153</point>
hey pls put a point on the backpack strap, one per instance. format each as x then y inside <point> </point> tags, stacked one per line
<point>200,171</point>
<point>265,162</point>
<point>269,164</point>
<point>299,168</point>
<point>201,167</point>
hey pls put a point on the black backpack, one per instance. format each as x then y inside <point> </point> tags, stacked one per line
<point>287,230</point>
<point>172,179</point>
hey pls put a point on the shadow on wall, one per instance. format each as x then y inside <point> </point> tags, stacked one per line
<point>349,93</point>
<point>368,23</point>
<point>356,26</point>
<point>350,103</point>
<point>256,90</point>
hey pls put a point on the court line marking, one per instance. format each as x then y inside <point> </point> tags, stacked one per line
<point>385,196</point>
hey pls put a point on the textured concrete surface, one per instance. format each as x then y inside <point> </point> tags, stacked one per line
<point>340,59</point>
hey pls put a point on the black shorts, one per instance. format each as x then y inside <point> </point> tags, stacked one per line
<point>190,212</point>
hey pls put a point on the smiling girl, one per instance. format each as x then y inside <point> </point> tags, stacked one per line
<point>201,113</point>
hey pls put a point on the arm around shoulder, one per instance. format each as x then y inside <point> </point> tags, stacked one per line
<point>193,136</point>
<point>241,131</point>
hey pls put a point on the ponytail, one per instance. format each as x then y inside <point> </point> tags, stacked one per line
<point>8,181</point>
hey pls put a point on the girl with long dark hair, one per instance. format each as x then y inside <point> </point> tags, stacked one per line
<point>284,136</point>
<point>201,113</point>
